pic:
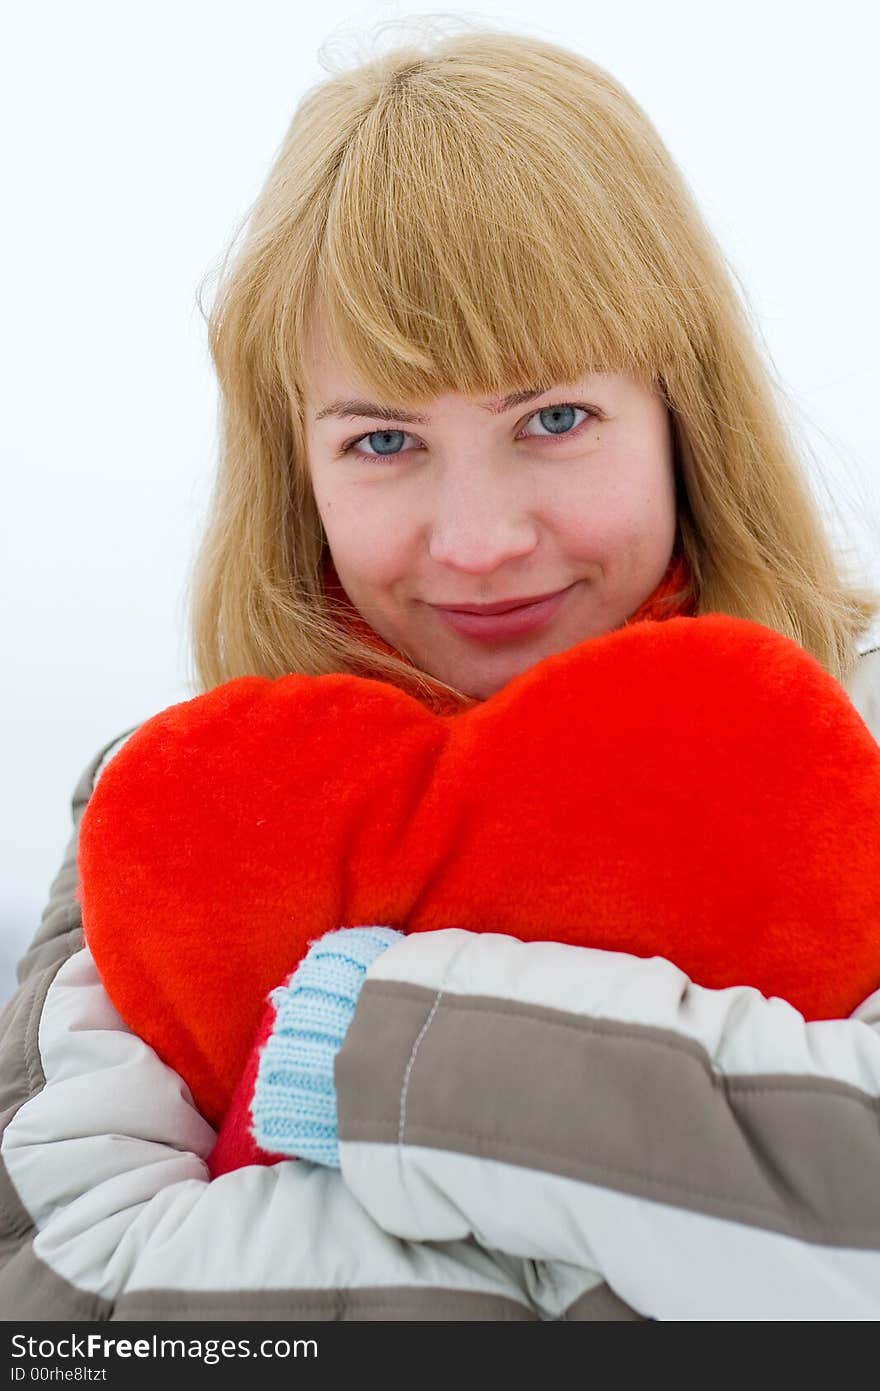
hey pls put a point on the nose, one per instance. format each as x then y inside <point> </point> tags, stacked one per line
<point>477,526</point>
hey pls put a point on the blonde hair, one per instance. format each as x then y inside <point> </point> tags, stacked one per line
<point>481,213</point>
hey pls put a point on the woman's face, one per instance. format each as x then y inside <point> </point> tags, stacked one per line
<point>479,502</point>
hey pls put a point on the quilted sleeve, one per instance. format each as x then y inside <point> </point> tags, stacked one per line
<point>106,1208</point>
<point>707,1151</point>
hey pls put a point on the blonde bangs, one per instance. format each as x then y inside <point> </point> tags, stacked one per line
<point>476,267</point>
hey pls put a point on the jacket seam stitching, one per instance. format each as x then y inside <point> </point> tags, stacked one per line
<point>404,1089</point>
<point>628,1032</point>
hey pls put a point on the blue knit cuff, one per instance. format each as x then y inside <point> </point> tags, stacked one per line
<point>294,1104</point>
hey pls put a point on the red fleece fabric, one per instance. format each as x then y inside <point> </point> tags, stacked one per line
<point>699,789</point>
<point>235,1146</point>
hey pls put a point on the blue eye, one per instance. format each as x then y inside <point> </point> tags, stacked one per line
<point>389,439</point>
<point>557,420</point>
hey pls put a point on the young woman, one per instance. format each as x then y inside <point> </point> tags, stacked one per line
<point>477,347</point>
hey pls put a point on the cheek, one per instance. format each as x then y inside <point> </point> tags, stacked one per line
<point>630,503</point>
<point>346,523</point>
<point>371,531</point>
<point>367,551</point>
<point>600,522</point>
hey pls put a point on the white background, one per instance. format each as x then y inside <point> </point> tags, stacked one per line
<point>135,137</point>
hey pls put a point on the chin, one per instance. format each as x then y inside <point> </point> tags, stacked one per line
<point>480,687</point>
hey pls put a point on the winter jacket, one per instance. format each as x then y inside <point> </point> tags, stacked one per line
<point>527,1131</point>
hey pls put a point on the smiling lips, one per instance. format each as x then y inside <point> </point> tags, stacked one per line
<point>495,627</point>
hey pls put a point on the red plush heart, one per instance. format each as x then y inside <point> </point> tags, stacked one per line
<point>699,789</point>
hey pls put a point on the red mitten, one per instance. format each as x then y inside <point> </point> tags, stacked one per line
<point>235,1146</point>
<point>698,789</point>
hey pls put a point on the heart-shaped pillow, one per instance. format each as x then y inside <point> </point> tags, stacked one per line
<point>699,789</point>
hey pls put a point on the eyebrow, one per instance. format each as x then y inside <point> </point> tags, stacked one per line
<point>344,410</point>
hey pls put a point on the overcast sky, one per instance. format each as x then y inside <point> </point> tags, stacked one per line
<point>134,138</point>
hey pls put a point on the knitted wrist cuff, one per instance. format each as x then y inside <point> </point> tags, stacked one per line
<point>294,1103</point>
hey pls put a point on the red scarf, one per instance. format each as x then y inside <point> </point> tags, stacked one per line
<point>660,604</point>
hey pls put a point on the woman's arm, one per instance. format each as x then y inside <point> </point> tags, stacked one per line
<point>106,1211</point>
<point>712,1154</point>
